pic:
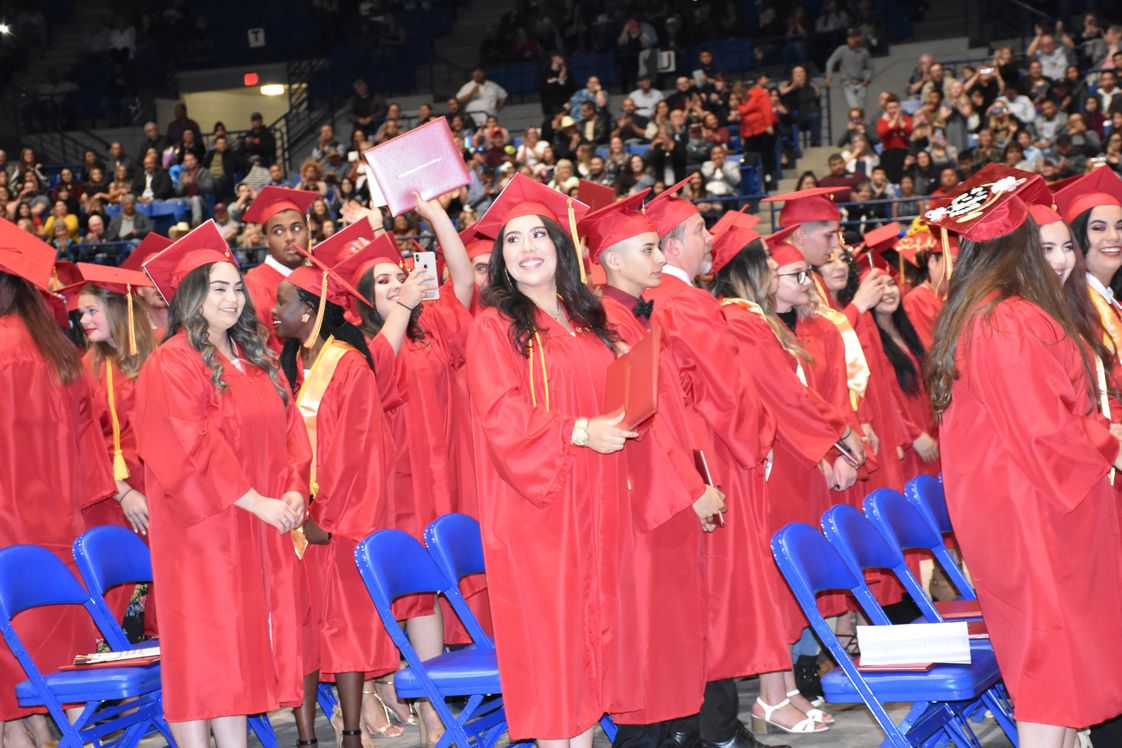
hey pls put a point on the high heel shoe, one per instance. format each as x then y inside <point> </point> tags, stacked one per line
<point>337,726</point>
<point>814,713</point>
<point>802,727</point>
<point>388,730</point>
<point>395,717</point>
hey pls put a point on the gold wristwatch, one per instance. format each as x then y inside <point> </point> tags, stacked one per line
<point>580,432</point>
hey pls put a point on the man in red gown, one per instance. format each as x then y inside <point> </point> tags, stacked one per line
<point>735,432</point>
<point>668,495</point>
<point>280,211</point>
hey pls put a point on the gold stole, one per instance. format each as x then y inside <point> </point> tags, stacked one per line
<point>856,367</point>
<point>757,310</point>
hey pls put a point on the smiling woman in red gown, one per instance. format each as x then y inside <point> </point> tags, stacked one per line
<point>552,488</point>
<point>226,458</point>
<point>1034,513</point>
<point>52,456</point>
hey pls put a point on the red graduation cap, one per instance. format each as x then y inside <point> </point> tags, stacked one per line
<point>1101,186</point>
<point>804,206</point>
<point>921,241</point>
<point>595,195</point>
<point>475,243</point>
<point>1044,215</point>
<point>735,218</point>
<point>117,280</point>
<point>150,245</point>
<point>343,243</point>
<point>25,255</point>
<point>885,234</point>
<point>613,223</point>
<point>66,273</point>
<point>782,251</point>
<point>667,210</point>
<point>992,203</point>
<point>201,246</point>
<point>382,250</point>
<point>525,197</point>
<point>272,200</point>
<point>729,242</point>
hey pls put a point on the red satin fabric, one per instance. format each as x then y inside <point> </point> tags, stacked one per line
<point>203,449</point>
<point>354,453</point>
<point>554,531</point>
<point>261,284</point>
<point>53,465</point>
<point>1025,460</point>
<point>808,426</point>
<point>666,566</point>
<point>730,424</point>
<point>923,307</point>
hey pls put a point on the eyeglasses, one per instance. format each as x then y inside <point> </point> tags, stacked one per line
<point>799,276</point>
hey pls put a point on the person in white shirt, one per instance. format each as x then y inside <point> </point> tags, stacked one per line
<point>645,97</point>
<point>480,97</point>
<point>722,177</point>
<point>1054,58</point>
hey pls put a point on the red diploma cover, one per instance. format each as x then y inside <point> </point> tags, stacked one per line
<point>632,384</point>
<point>425,159</point>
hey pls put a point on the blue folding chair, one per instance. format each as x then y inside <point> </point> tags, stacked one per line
<point>905,527</point>
<point>392,564</point>
<point>926,494</point>
<point>108,556</point>
<point>862,547</point>
<point>456,545</point>
<point>938,696</point>
<point>33,577</point>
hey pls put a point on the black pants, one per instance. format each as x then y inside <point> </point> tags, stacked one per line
<point>717,722</point>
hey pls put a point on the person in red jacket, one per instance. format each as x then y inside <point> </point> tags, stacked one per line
<point>894,128</point>
<point>757,127</point>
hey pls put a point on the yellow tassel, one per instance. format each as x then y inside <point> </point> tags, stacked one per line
<point>530,364</point>
<point>120,469</point>
<point>946,251</point>
<point>132,323</point>
<point>545,373</point>
<point>314,336</point>
<point>576,242</point>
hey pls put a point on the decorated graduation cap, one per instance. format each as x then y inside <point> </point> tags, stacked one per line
<point>992,203</point>
<point>272,200</point>
<point>25,255</point>
<point>805,206</point>
<point>1101,186</point>
<point>151,244</point>
<point>526,197</point>
<point>667,210</point>
<point>201,246</point>
<point>595,195</point>
<point>781,250</point>
<point>475,243</point>
<point>909,245</point>
<point>614,223</point>
<point>732,218</point>
<point>729,242</point>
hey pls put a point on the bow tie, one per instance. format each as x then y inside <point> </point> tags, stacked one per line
<point>643,308</point>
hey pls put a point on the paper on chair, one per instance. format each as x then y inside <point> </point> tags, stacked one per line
<point>914,642</point>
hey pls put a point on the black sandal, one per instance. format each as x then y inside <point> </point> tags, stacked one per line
<point>309,741</point>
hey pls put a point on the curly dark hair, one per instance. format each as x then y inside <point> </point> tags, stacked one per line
<point>186,313</point>
<point>579,301</point>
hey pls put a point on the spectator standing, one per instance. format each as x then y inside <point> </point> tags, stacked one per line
<point>1053,57</point>
<point>894,129</point>
<point>129,224</point>
<point>855,66</point>
<point>481,97</point>
<point>259,144</point>
<point>366,109</point>
<point>556,85</point>
<point>180,124</point>
<point>153,183</point>
<point>757,127</point>
<point>801,98</point>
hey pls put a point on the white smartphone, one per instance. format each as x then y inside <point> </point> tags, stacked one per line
<point>427,261</point>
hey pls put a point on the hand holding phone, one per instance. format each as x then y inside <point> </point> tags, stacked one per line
<point>426,261</point>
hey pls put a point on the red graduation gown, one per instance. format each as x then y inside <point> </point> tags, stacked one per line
<point>108,511</point>
<point>261,284</point>
<point>666,566</point>
<point>1035,517</point>
<point>923,306</point>
<point>354,453</point>
<point>807,427</point>
<point>227,584</point>
<point>919,417</point>
<point>731,426</point>
<point>554,530</point>
<point>53,465</point>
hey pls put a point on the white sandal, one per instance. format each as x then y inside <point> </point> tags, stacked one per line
<point>815,714</point>
<point>802,727</point>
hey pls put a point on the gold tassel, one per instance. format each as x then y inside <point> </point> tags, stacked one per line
<point>576,243</point>
<point>946,251</point>
<point>120,469</point>
<point>311,341</point>
<point>132,322</point>
<point>545,373</point>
